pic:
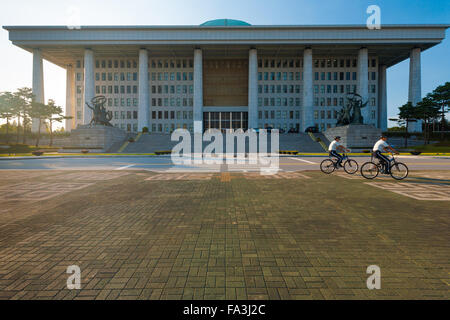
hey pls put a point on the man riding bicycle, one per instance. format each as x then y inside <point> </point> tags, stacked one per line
<point>380,147</point>
<point>333,149</point>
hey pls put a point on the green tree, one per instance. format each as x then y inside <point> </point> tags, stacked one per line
<point>41,112</point>
<point>441,96</point>
<point>22,106</point>
<point>427,110</point>
<point>6,110</point>
<point>56,115</point>
<point>406,115</point>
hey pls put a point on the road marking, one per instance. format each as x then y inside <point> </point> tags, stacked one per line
<point>303,160</point>
<point>124,167</point>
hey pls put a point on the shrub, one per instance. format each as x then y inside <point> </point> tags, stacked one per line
<point>131,140</point>
<point>144,129</point>
<point>163,152</point>
<point>415,153</point>
<point>84,151</point>
<point>293,152</point>
<point>37,153</point>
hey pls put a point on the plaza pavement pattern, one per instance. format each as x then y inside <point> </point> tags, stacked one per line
<point>295,235</point>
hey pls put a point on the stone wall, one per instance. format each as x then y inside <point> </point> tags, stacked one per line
<point>357,136</point>
<point>95,137</point>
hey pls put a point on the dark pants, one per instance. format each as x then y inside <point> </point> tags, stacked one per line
<point>384,160</point>
<point>338,156</point>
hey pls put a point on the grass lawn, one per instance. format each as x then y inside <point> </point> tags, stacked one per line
<point>443,146</point>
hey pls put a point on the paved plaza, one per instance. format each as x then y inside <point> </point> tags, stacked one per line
<point>137,234</point>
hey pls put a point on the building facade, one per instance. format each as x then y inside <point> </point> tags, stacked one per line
<point>226,73</point>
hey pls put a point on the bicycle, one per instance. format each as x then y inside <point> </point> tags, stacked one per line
<point>328,165</point>
<point>371,169</point>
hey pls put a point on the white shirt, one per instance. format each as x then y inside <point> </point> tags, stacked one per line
<point>333,145</point>
<point>380,145</point>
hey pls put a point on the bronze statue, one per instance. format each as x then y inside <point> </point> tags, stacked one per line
<point>100,115</point>
<point>351,113</point>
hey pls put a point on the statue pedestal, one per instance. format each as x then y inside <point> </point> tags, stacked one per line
<point>355,136</point>
<point>96,138</point>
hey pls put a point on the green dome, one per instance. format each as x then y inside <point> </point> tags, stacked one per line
<point>225,22</point>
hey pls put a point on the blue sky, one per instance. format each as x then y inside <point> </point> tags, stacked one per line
<point>16,64</point>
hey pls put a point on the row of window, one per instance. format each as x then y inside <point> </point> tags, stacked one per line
<point>340,88</point>
<point>172,102</point>
<point>125,115</point>
<point>278,114</point>
<point>122,64</point>
<point>109,89</point>
<point>341,63</point>
<point>280,88</point>
<point>262,63</point>
<point>133,76</point>
<point>285,63</point>
<point>334,102</point>
<point>166,89</point>
<point>330,76</point>
<point>291,102</point>
<point>172,76</point>
<point>129,76</point>
<point>333,76</point>
<point>332,114</point>
<point>170,127</point>
<point>127,126</point>
<point>117,115</point>
<point>188,76</point>
<point>318,63</point>
<point>164,115</point>
<point>188,102</point>
<point>285,102</point>
<point>116,102</point>
<point>280,76</point>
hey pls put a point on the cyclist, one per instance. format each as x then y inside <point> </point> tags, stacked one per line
<point>333,149</point>
<point>380,147</point>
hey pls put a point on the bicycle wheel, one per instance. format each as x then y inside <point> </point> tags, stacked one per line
<point>327,166</point>
<point>369,170</point>
<point>351,166</point>
<point>399,171</point>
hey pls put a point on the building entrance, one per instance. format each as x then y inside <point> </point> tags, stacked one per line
<point>225,120</point>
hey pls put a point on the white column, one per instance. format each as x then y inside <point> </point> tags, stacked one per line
<point>144,110</point>
<point>382,98</point>
<point>89,84</point>
<point>363,82</point>
<point>198,91</point>
<point>252,88</point>
<point>415,89</point>
<point>308,110</point>
<point>70,90</point>
<point>38,83</point>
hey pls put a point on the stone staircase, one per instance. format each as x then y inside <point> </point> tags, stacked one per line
<point>302,142</point>
<point>149,143</point>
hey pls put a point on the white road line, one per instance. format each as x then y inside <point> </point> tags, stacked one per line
<point>124,167</point>
<point>303,160</point>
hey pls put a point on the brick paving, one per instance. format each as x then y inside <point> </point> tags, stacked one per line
<point>224,236</point>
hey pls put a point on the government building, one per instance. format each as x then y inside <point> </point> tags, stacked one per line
<point>226,73</point>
